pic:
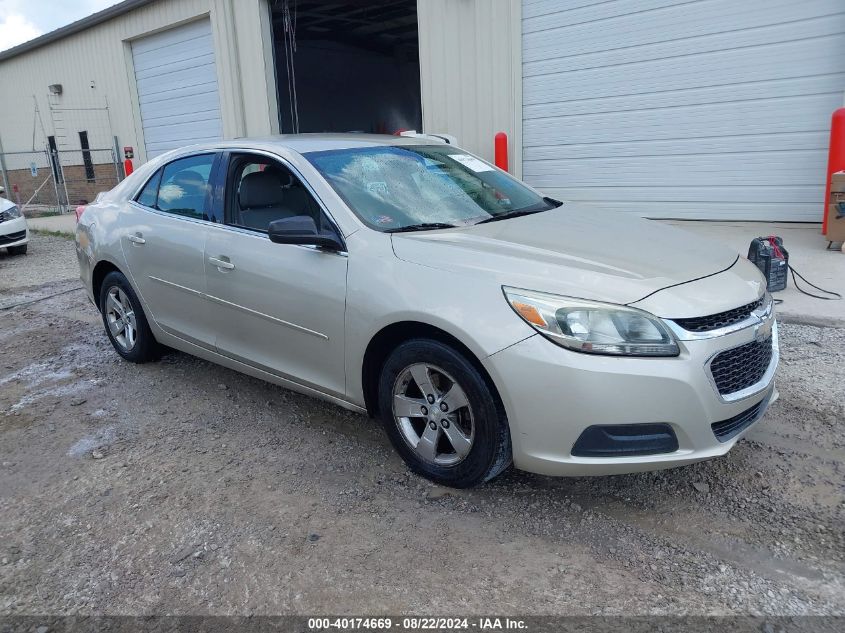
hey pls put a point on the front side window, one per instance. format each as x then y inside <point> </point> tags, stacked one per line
<point>184,187</point>
<point>394,187</point>
<point>262,190</point>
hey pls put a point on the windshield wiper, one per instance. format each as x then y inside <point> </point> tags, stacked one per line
<point>424,226</point>
<point>510,214</point>
<point>519,212</point>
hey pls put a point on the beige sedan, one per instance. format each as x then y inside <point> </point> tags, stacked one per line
<point>483,323</point>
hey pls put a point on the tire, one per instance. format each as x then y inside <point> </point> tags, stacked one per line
<point>18,250</point>
<point>433,440</point>
<point>135,343</point>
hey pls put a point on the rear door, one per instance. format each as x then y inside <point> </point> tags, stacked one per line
<point>278,307</point>
<point>165,229</point>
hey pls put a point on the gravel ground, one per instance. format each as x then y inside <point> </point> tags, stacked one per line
<point>48,259</point>
<point>181,487</point>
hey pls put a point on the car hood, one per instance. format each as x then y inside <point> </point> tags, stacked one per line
<point>5,204</point>
<point>585,253</point>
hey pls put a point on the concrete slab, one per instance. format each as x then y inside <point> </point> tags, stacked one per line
<point>808,255</point>
<point>65,223</point>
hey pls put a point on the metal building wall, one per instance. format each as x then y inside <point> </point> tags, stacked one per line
<point>667,108</point>
<point>471,72</point>
<point>102,54</point>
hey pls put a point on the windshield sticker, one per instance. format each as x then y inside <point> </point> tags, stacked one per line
<point>472,162</point>
<point>384,219</point>
<point>379,187</point>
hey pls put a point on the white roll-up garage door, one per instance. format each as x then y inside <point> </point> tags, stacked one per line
<point>711,109</point>
<point>176,79</point>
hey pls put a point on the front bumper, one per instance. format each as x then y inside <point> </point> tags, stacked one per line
<point>551,395</point>
<point>11,232</point>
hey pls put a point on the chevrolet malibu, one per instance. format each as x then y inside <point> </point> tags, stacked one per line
<point>482,323</point>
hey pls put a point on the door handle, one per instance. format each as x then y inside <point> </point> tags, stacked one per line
<point>221,264</point>
<point>137,239</point>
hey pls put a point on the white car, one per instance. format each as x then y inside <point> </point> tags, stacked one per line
<point>14,233</point>
<point>480,321</point>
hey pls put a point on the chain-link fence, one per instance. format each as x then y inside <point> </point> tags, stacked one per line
<point>57,157</point>
<point>56,181</point>
<point>32,181</point>
<point>85,173</point>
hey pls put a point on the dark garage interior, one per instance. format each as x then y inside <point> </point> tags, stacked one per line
<point>348,66</point>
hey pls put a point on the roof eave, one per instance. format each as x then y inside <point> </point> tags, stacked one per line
<point>74,27</point>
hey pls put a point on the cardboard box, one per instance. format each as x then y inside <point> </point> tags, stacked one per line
<point>837,182</point>
<point>835,224</point>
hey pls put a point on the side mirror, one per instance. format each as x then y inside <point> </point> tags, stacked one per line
<point>301,229</point>
<point>2,189</point>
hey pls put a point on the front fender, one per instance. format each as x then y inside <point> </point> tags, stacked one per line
<point>383,290</point>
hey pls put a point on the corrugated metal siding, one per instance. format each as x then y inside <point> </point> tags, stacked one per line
<point>102,54</point>
<point>176,79</point>
<point>707,109</point>
<point>470,71</point>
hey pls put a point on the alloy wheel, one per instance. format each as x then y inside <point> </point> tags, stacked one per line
<point>433,414</point>
<point>120,316</point>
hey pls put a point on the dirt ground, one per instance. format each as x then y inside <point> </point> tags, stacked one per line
<point>181,487</point>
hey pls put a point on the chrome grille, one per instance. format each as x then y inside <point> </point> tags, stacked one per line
<point>720,319</point>
<point>741,367</point>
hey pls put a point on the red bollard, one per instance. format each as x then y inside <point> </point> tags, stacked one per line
<point>835,156</point>
<point>127,166</point>
<point>500,147</point>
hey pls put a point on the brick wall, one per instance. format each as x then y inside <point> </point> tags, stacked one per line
<point>79,189</point>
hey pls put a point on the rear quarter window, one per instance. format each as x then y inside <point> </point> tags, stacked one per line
<point>148,194</point>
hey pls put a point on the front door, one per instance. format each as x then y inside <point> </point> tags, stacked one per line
<point>278,307</point>
<point>163,240</point>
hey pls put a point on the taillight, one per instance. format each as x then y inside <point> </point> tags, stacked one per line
<point>79,211</point>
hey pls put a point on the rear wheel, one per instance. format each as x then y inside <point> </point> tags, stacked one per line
<point>125,322</point>
<point>18,250</point>
<point>442,416</point>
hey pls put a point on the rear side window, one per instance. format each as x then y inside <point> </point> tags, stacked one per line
<point>181,187</point>
<point>184,188</point>
<point>148,194</point>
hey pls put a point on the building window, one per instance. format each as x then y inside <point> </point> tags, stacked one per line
<point>86,156</point>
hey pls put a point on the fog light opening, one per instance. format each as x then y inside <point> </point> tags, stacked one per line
<point>625,440</point>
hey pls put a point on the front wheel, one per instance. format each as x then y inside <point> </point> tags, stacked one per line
<point>125,322</point>
<point>442,416</point>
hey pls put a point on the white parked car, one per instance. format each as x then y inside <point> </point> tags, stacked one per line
<point>14,234</point>
<point>481,322</point>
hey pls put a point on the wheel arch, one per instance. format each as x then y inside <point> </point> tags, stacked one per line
<point>390,337</point>
<point>98,275</point>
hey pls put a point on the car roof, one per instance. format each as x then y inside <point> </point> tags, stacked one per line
<point>302,143</point>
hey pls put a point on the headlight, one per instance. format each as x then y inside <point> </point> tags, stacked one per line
<point>13,212</point>
<point>593,327</point>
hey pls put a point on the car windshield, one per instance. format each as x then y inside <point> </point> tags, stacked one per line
<point>419,187</point>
